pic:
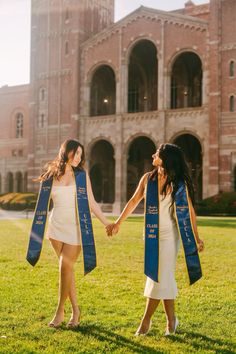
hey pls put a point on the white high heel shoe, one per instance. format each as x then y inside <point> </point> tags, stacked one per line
<point>138,333</point>
<point>168,333</point>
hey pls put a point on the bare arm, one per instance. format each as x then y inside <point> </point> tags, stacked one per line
<point>132,203</point>
<point>94,205</point>
<point>194,223</point>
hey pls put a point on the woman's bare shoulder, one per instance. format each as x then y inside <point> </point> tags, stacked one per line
<point>144,178</point>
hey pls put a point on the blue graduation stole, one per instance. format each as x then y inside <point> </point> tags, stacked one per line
<point>84,217</point>
<point>184,226</point>
<point>151,246</point>
<point>85,220</point>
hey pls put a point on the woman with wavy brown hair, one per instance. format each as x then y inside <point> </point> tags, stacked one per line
<point>64,230</point>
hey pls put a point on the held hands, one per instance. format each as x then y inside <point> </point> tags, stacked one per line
<point>112,229</point>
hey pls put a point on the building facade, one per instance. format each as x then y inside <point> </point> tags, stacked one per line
<point>123,88</point>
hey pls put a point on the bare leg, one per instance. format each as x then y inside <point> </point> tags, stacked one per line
<point>57,245</point>
<point>169,306</point>
<point>75,315</point>
<point>151,306</point>
<point>68,256</point>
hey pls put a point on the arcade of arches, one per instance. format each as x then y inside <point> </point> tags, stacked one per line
<point>14,182</point>
<point>185,84</point>
<point>139,161</point>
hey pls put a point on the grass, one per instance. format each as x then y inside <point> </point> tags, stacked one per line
<point>111,297</point>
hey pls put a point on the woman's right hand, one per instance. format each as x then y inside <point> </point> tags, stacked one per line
<point>200,245</point>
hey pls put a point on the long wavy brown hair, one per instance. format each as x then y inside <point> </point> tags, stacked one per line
<point>56,168</point>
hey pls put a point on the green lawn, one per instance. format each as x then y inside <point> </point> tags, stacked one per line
<point>111,297</point>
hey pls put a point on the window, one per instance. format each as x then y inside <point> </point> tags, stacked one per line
<point>231,68</point>
<point>41,120</point>
<point>67,15</point>
<point>42,94</point>
<point>231,104</point>
<point>66,48</point>
<point>19,125</point>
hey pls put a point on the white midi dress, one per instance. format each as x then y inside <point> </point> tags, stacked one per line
<point>63,223</point>
<point>169,242</point>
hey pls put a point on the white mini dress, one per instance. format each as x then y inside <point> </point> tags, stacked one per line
<point>63,223</point>
<point>169,242</point>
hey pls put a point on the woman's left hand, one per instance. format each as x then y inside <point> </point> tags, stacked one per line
<point>112,229</point>
<point>109,229</point>
<point>200,245</point>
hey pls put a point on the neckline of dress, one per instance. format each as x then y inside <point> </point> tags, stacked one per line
<point>69,185</point>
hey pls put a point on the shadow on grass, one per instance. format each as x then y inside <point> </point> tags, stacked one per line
<point>116,341</point>
<point>201,342</point>
<point>222,223</point>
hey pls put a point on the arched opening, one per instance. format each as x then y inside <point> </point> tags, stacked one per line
<point>10,185</point>
<point>103,92</point>
<point>66,48</point>
<point>186,81</point>
<point>231,103</point>
<point>67,15</point>
<point>139,161</point>
<point>193,153</point>
<point>142,86</point>
<point>231,68</point>
<point>19,182</point>
<point>102,172</point>
<point>19,125</point>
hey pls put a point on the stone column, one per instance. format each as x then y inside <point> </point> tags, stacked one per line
<point>4,184</point>
<point>14,182</point>
<point>118,167</point>
<point>161,83</point>
<point>121,109</point>
<point>214,95</point>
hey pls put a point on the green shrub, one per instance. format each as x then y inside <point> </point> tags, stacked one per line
<point>18,201</point>
<point>220,204</point>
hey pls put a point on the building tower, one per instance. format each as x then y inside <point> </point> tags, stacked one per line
<point>58,28</point>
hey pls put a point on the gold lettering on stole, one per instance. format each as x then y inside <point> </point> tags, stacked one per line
<point>41,212</point>
<point>152,210</point>
<point>151,236</point>
<point>46,188</point>
<point>81,190</point>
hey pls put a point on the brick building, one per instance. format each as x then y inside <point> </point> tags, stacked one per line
<point>122,89</point>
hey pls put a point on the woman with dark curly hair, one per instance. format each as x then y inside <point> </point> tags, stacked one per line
<point>66,182</point>
<point>169,216</point>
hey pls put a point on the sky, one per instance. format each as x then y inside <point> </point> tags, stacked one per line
<point>15,33</point>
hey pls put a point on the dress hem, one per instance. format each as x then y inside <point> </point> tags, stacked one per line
<point>67,243</point>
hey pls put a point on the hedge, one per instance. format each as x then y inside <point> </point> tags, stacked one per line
<point>220,204</point>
